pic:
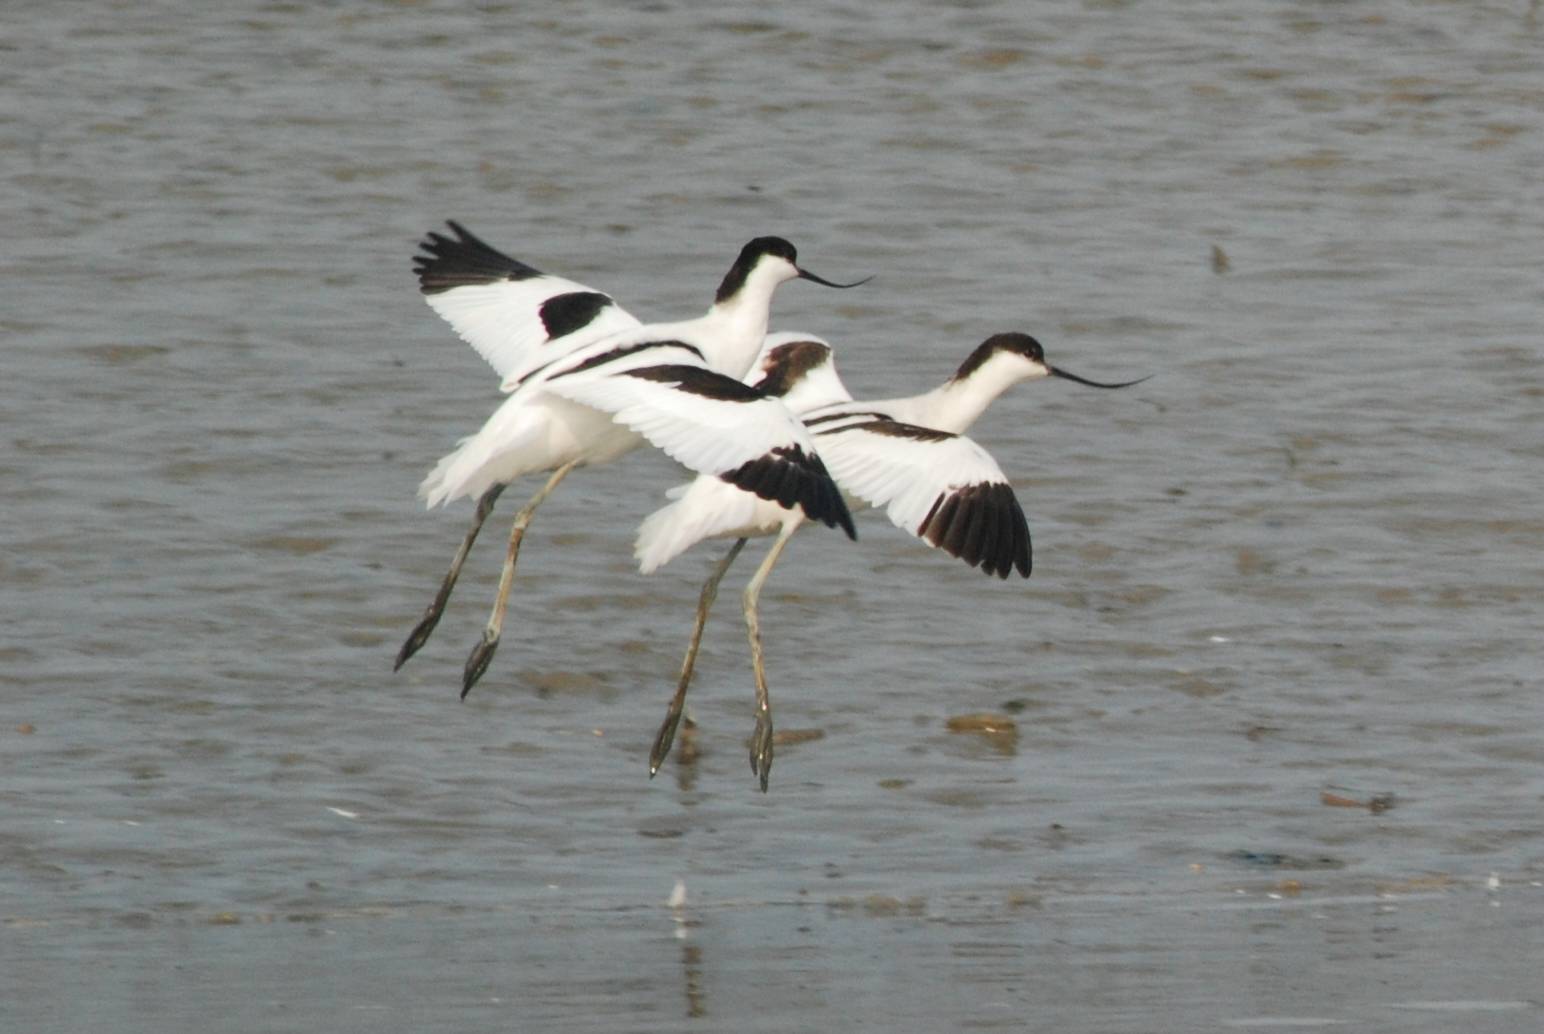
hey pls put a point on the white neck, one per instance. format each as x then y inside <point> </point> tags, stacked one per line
<point>730,334</point>
<point>736,330</point>
<point>959,402</point>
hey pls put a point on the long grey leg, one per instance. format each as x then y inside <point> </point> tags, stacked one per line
<point>482,653</point>
<point>420,633</point>
<point>761,739</point>
<point>667,730</point>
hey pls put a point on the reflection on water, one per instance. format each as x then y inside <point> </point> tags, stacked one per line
<point>1253,748</point>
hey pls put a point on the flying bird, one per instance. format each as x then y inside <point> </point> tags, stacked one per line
<point>588,383</point>
<point>908,455</point>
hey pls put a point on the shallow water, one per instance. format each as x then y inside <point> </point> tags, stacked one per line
<point>1298,568</point>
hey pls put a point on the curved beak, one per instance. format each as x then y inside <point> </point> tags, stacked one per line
<point>805,274</point>
<point>1058,372</point>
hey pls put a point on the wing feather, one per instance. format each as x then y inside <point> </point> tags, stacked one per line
<point>943,488</point>
<point>515,316</point>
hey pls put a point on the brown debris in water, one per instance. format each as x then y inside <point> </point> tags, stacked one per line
<point>1332,797</point>
<point>984,722</point>
<point>998,730</point>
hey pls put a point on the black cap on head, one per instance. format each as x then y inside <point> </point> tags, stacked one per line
<point>1029,348</point>
<point>769,246</point>
<point>1016,343</point>
<point>752,253</point>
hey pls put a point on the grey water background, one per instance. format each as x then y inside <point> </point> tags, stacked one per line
<point>1305,558</point>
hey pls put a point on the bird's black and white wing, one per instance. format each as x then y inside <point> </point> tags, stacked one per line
<point>515,316</point>
<point>941,487</point>
<point>708,422</point>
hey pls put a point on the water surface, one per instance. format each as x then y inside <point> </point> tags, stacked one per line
<point>1298,567</point>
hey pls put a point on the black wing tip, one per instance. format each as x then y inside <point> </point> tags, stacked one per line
<point>844,519</point>
<point>983,525</point>
<point>832,509</point>
<point>466,259</point>
<point>789,476</point>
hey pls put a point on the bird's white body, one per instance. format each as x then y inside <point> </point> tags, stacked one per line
<point>521,438</point>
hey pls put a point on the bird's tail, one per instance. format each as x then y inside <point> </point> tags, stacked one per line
<point>701,509</point>
<point>663,535</point>
<point>496,454</point>
<point>458,473</point>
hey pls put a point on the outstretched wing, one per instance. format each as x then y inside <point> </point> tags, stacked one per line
<point>941,487</point>
<point>711,423</point>
<point>514,315</point>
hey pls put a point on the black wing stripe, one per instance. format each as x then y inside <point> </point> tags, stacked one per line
<point>622,351</point>
<point>450,263</point>
<point>562,314</point>
<point>844,415</point>
<point>695,380</point>
<point>789,476</point>
<point>887,428</point>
